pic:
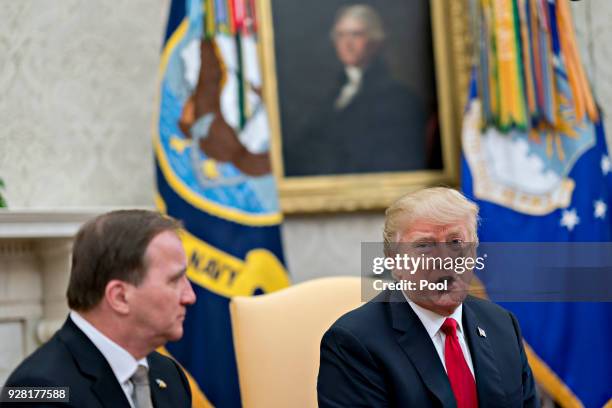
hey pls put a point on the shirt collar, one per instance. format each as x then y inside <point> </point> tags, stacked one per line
<point>433,321</point>
<point>122,363</point>
<point>354,74</point>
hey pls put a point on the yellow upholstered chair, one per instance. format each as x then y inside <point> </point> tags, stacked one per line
<point>277,338</point>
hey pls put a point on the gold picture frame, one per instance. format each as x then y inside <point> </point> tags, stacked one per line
<point>328,193</point>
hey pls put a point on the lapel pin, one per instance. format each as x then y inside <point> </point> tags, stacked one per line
<point>482,333</point>
<point>161,383</point>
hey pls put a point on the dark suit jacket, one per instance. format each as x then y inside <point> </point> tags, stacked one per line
<point>381,355</point>
<point>70,359</point>
<point>381,129</point>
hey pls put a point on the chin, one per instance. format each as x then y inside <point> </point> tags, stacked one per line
<point>443,304</point>
<point>175,335</point>
<point>449,301</point>
<point>350,62</point>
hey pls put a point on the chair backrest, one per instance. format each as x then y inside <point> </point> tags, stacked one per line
<point>277,338</point>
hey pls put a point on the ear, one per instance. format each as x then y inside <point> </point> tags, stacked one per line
<point>116,295</point>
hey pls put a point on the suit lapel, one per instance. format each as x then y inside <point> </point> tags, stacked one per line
<point>414,340</point>
<point>158,383</point>
<point>488,378</point>
<point>109,392</point>
<point>94,366</point>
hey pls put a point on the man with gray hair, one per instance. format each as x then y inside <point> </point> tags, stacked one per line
<point>358,35</point>
<point>369,122</point>
<point>427,348</point>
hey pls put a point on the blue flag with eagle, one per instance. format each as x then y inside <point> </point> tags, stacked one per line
<point>211,140</point>
<point>535,159</point>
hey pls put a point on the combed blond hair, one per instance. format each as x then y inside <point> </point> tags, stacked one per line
<point>436,205</point>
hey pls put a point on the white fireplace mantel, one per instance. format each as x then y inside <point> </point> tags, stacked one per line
<point>35,248</point>
<point>43,224</point>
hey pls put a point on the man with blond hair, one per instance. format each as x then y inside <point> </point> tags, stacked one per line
<point>424,347</point>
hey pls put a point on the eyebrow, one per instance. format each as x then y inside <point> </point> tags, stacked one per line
<point>179,274</point>
<point>456,230</point>
<point>416,236</point>
<point>421,236</point>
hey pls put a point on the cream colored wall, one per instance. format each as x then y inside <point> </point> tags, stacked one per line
<point>77,86</point>
<point>78,80</point>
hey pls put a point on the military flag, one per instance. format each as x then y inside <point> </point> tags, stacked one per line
<point>536,161</point>
<point>211,140</point>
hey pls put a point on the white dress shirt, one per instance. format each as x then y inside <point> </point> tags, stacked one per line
<point>350,89</point>
<point>433,322</point>
<point>122,363</point>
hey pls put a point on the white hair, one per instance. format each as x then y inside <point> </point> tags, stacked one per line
<point>367,15</point>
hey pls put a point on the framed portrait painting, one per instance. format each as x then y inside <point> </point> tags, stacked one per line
<point>364,98</point>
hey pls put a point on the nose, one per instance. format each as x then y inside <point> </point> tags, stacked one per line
<point>188,296</point>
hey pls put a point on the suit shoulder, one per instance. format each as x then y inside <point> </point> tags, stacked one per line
<point>362,321</point>
<point>486,306</point>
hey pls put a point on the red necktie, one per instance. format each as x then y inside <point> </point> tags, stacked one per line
<point>459,373</point>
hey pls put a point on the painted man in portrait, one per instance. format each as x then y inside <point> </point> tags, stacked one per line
<point>369,122</point>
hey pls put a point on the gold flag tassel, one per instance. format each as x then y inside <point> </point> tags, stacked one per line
<point>584,102</point>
